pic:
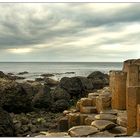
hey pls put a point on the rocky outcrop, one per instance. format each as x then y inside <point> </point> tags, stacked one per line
<point>14,96</point>
<point>99,79</point>
<point>43,98</point>
<point>6,124</point>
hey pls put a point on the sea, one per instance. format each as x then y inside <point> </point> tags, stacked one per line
<point>59,69</point>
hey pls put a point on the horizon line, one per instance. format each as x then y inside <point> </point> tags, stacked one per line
<point>57,61</point>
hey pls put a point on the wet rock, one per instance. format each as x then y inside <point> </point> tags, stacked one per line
<point>24,120</point>
<point>60,105</point>
<point>60,93</point>
<point>2,75</point>
<point>99,79</point>
<point>47,75</point>
<point>43,98</point>
<point>25,128</point>
<point>39,79</point>
<point>108,117</point>
<point>69,72</point>
<point>51,82</point>
<point>32,128</point>
<point>6,124</point>
<point>72,85</point>
<point>14,97</point>
<point>103,124</point>
<point>82,131</point>
<point>22,73</point>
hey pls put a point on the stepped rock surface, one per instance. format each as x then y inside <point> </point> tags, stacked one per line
<point>82,131</point>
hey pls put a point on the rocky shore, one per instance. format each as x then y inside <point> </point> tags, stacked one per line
<point>29,108</point>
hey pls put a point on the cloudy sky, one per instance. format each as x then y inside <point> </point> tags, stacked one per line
<point>69,31</point>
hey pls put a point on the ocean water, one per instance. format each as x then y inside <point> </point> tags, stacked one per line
<point>35,69</point>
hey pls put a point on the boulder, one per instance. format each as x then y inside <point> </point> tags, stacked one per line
<point>60,105</point>
<point>60,93</point>
<point>103,124</point>
<point>82,131</point>
<point>6,124</point>
<point>108,117</point>
<point>51,82</point>
<point>99,79</point>
<point>72,85</point>
<point>14,97</point>
<point>43,98</point>
<point>86,83</point>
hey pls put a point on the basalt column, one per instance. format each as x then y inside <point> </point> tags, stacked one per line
<point>133,78</point>
<point>127,63</point>
<point>118,89</point>
<point>133,97</point>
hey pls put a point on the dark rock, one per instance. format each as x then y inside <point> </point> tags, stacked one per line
<point>72,85</point>
<point>2,75</point>
<point>14,98</point>
<point>39,79</point>
<point>24,72</point>
<point>86,83</point>
<point>51,82</point>
<point>25,128</point>
<point>99,79</point>
<point>60,93</point>
<point>32,128</point>
<point>10,73</point>
<point>6,124</point>
<point>47,75</point>
<point>60,105</point>
<point>43,98</point>
<point>63,124</point>
<point>69,72</point>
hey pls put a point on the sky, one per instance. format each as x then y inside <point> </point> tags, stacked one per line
<point>69,32</point>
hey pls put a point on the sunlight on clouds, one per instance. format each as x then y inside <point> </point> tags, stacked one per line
<point>20,50</point>
<point>111,47</point>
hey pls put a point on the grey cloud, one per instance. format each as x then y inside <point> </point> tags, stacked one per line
<point>20,27</point>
